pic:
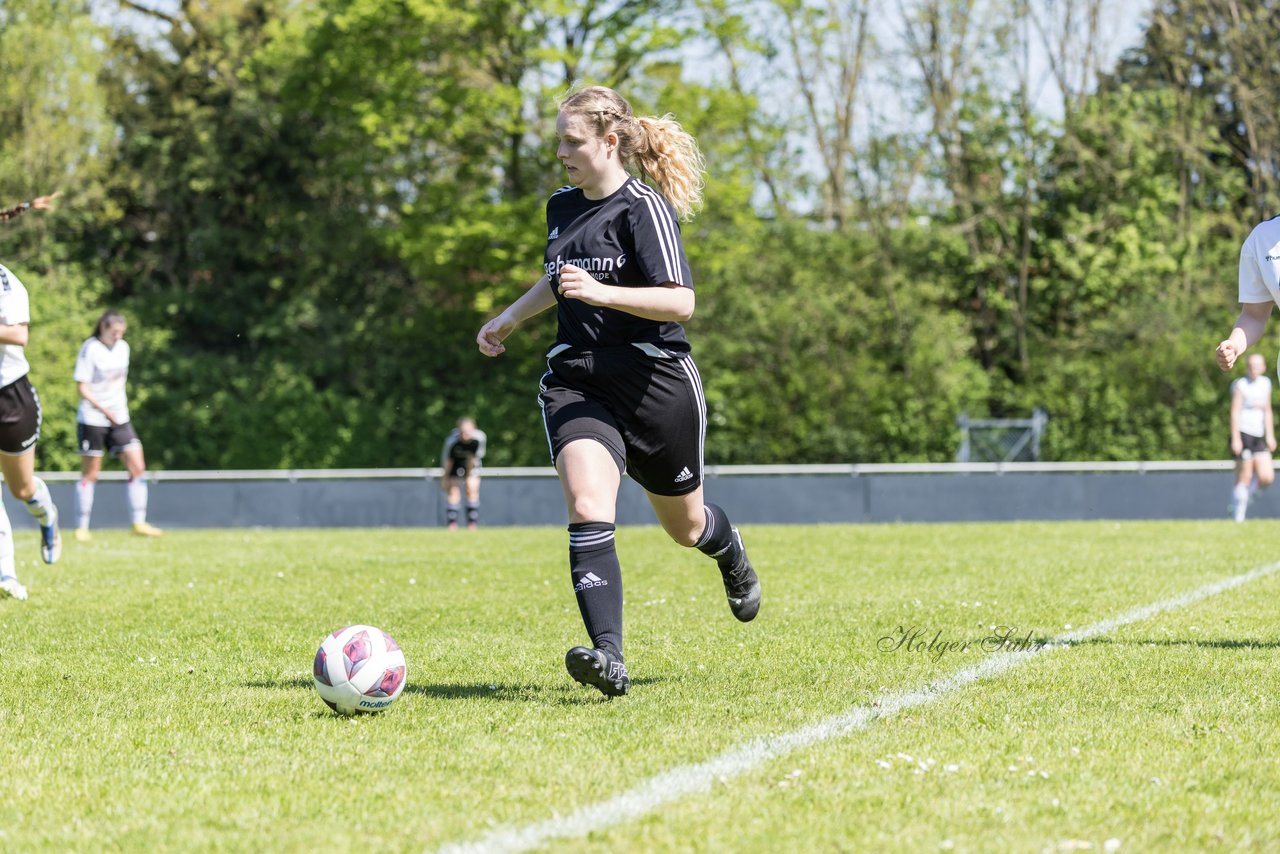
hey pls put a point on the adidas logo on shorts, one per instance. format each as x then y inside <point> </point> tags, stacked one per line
<point>684,475</point>
<point>590,580</point>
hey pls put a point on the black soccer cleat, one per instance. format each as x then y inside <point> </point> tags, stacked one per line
<point>741,585</point>
<point>599,669</point>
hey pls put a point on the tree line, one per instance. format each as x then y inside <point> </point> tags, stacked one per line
<point>306,208</point>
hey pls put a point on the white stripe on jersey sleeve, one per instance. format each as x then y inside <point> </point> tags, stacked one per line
<point>664,225</point>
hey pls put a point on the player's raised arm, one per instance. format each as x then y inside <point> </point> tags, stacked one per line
<point>45,203</point>
<point>40,203</point>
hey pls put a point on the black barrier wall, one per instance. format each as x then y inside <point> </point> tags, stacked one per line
<point>534,498</point>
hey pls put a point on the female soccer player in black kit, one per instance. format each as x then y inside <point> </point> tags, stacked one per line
<point>621,391</point>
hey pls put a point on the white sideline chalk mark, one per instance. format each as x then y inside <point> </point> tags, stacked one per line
<point>696,779</point>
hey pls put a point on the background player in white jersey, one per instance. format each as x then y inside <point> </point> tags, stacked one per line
<point>621,390</point>
<point>19,431</point>
<point>1253,435</point>
<point>103,423</point>
<point>460,458</point>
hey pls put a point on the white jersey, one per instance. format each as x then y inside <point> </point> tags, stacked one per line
<point>14,310</point>
<point>105,369</point>
<point>1256,396</point>
<point>1260,264</point>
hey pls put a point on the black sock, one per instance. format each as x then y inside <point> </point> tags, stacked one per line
<point>597,582</point>
<point>473,512</point>
<point>717,537</point>
<point>451,514</point>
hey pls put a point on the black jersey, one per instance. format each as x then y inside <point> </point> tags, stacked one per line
<point>630,238</point>
<point>457,451</point>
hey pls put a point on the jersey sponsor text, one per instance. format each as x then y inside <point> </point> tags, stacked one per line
<point>594,266</point>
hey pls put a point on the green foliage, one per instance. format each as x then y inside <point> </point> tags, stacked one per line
<point>52,116</point>
<point>53,121</point>
<point>824,366</point>
<point>1137,284</point>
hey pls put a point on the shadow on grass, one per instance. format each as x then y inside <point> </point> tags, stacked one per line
<point>569,693</point>
<point>1211,644</point>
<point>283,683</point>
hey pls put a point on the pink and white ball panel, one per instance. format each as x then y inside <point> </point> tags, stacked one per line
<point>359,669</point>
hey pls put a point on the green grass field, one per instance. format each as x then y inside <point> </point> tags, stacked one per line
<point>156,695</point>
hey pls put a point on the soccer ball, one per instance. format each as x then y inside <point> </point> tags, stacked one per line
<point>359,669</point>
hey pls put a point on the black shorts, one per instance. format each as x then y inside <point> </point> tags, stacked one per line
<point>93,441</point>
<point>458,468</point>
<point>645,406</point>
<point>1252,446</point>
<point>19,417</point>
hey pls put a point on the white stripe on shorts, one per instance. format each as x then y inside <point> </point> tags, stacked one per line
<point>542,386</point>
<point>695,382</point>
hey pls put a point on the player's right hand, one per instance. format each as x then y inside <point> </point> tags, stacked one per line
<point>1237,445</point>
<point>1226,355</point>
<point>491,335</point>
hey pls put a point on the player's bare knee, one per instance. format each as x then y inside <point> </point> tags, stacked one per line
<point>686,534</point>
<point>588,508</point>
<point>684,538</point>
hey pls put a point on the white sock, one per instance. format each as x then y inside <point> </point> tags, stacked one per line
<point>84,501</point>
<point>7,565</point>
<point>41,504</point>
<point>138,499</point>
<point>1242,500</point>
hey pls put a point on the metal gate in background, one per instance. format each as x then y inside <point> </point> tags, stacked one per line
<point>1000,440</point>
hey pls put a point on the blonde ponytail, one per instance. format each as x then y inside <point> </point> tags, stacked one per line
<point>656,145</point>
<point>670,156</point>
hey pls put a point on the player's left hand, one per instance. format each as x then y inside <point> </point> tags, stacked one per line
<point>1271,444</point>
<point>577,283</point>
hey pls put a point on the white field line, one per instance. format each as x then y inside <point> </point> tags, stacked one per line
<point>687,780</point>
